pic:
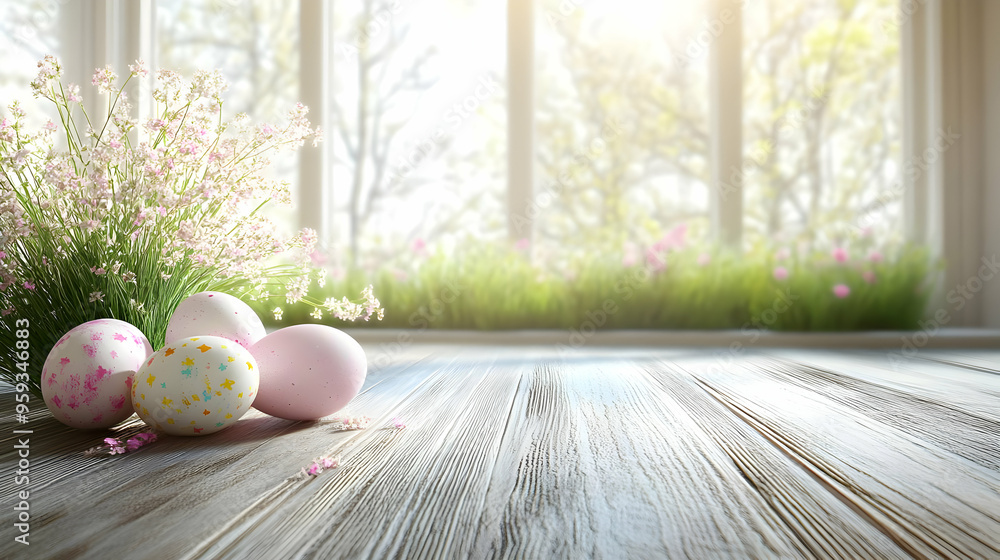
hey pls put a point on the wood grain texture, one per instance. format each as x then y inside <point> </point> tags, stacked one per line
<point>524,452</point>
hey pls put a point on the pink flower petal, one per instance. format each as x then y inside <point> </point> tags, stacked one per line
<point>841,291</point>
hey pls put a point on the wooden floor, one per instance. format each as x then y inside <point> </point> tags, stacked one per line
<point>526,453</point>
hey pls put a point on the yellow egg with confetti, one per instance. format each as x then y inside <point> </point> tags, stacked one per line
<point>195,386</point>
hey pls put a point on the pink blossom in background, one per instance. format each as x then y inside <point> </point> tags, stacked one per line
<point>673,239</point>
<point>841,291</point>
<point>522,244</point>
<point>630,256</point>
<point>704,259</point>
<point>840,254</point>
<point>677,236</point>
<point>419,246</point>
<point>655,262</point>
<point>875,257</point>
<point>317,258</point>
<point>780,273</point>
<point>869,276</point>
<point>782,254</point>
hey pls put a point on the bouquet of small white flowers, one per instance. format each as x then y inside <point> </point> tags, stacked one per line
<point>119,218</point>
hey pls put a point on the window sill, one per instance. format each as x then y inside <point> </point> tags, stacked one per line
<point>887,340</point>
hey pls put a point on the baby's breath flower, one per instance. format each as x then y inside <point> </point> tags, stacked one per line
<point>316,314</point>
<point>73,94</point>
<point>181,201</point>
<point>104,79</point>
<point>138,69</point>
<point>277,313</point>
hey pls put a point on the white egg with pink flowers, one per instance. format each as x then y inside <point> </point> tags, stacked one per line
<point>86,378</point>
<point>215,314</point>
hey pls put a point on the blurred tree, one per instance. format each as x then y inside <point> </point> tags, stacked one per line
<point>381,75</point>
<point>821,124</point>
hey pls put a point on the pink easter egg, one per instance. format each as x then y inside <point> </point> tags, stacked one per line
<point>87,375</point>
<point>308,371</point>
<point>215,314</point>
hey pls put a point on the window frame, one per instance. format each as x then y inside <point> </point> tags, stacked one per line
<point>942,62</point>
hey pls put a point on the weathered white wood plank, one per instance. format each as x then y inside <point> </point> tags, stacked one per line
<point>392,483</point>
<point>823,524</point>
<point>603,467</point>
<point>525,452</point>
<point>934,377</point>
<point>930,500</point>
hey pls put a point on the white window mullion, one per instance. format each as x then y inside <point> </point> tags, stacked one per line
<point>726,124</point>
<point>520,116</point>
<point>136,34</point>
<point>913,34</point>
<point>954,187</point>
<point>85,29</point>
<point>314,193</point>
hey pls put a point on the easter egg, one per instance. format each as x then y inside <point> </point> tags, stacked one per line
<point>195,386</point>
<point>86,376</point>
<point>215,314</point>
<point>308,371</point>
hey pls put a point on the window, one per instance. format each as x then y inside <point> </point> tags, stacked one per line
<point>417,116</point>
<point>256,46</point>
<point>28,31</point>
<point>415,103</point>
<point>622,124</point>
<point>822,119</point>
<point>642,116</point>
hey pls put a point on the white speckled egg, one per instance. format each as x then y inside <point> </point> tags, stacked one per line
<point>86,376</point>
<point>215,314</point>
<point>195,386</point>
